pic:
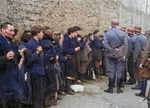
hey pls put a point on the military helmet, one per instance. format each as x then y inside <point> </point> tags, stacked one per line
<point>123,28</point>
<point>130,31</point>
<point>137,29</point>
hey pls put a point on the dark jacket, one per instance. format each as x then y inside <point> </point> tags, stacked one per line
<point>8,72</point>
<point>50,71</point>
<point>68,46</point>
<point>97,49</point>
<point>38,66</point>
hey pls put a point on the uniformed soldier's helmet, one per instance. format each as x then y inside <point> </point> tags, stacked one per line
<point>137,29</point>
<point>123,28</point>
<point>130,31</point>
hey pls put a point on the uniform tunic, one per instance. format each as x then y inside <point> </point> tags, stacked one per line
<point>140,44</point>
<point>113,39</point>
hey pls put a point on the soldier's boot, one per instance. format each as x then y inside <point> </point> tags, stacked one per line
<point>143,89</point>
<point>138,86</point>
<point>68,89</point>
<point>119,81</point>
<point>111,83</point>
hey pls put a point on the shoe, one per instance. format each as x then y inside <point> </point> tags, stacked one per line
<point>55,102</point>
<point>131,81</point>
<point>138,86</point>
<point>68,89</point>
<point>79,82</point>
<point>119,85</point>
<point>140,95</point>
<point>47,102</point>
<point>119,90</point>
<point>109,90</point>
<point>62,93</point>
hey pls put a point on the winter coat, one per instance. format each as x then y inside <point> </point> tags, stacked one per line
<point>145,72</point>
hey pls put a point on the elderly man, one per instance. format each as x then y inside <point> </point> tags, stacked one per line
<point>9,88</point>
<point>114,39</point>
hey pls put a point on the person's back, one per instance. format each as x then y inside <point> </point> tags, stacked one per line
<point>114,39</point>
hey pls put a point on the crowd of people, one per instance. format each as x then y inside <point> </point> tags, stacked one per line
<point>41,64</point>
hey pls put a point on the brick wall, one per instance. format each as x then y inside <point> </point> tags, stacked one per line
<point>62,14</point>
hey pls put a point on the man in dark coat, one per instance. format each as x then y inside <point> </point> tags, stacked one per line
<point>9,88</point>
<point>70,50</point>
<point>112,40</point>
<point>37,68</point>
<point>140,44</point>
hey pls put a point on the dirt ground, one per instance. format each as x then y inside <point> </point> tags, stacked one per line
<point>94,97</point>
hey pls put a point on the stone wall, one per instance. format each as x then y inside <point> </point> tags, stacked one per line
<point>62,14</point>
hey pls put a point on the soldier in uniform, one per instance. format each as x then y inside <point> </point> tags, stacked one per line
<point>123,28</point>
<point>145,69</point>
<point>131,48</point>
<point>112,40</point>
<point>137,55</point>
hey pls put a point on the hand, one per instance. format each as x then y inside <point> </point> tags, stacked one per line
<point>77,48</point>
<point>57,57</point>
<point>51,58</point>
<point>140,66</point>
<point>65,57</point>
<point>10,55</point>
<point>24,50</point>
<point>100,63</point>
<point>39,49</point>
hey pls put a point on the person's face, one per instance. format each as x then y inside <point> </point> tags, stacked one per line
<point>8,32</point>
<point>100,38</point>
<point>40,35</point>
<point>91,37</point>
<point>96,35</point>
<point>17,37</point>
<point>74,34</point>
<point>60,42</point>
<point>79,32</point>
